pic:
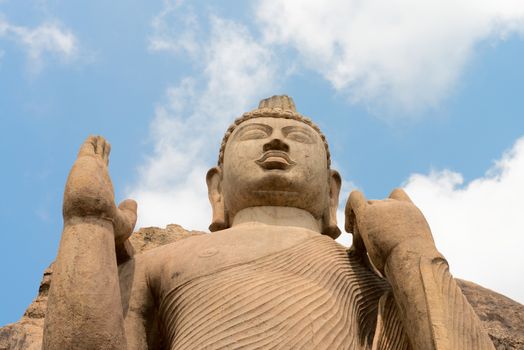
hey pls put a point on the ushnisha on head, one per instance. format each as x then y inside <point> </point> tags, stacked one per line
<point>274,156</point>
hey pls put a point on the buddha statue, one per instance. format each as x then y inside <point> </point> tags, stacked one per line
<point>270,274</point>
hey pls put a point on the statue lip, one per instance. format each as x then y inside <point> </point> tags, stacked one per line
<point>275,160</point>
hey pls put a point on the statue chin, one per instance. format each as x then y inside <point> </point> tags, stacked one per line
<point>265,194</point>
<point>279,188</point>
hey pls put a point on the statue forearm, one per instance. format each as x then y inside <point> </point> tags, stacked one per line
<point>435,313</point>
<point>84,306</point>
<point>403,272</point>
<point>398,240</point>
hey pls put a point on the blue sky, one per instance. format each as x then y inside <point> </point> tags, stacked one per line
<point>428,96</point>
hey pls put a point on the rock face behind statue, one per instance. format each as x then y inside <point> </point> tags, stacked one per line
<point>502,317</point>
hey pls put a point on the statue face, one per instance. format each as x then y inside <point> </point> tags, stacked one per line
<point>277,162</point>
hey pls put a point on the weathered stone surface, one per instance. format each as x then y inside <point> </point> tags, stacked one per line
<point>269,276</point>
<point>151,237</point>
<point>26,334</point>
<point>502,317</point>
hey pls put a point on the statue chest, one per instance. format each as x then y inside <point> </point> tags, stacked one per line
<point>305,296</point>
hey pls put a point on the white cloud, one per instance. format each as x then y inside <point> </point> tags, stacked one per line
<point>46,39</point>
<point>398,53</point>
<point>479,226</point>
<point>186,130</point>
<point>175,29</point>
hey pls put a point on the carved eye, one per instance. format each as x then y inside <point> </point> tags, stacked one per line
<point>253,134</point>
<point>300,136</point>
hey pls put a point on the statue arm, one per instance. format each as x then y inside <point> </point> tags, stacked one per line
<point>84,309</point>
<point>139,308</point>
<point>430,305</point>
<point>434,312</point>
<point>84,306</point>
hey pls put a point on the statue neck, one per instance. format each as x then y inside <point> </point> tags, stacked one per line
<point>277,216</point>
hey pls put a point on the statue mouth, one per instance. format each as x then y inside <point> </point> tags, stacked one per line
<point>271,160</point>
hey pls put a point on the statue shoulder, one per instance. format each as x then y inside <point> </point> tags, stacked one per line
<point>175,252</point>
<point>170,265</point>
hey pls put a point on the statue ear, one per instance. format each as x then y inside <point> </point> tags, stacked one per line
<point>214,190</point>
<point>329,220</point>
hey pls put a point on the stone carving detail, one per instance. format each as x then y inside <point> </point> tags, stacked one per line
<point>502,317</point>
<point>270,273</point>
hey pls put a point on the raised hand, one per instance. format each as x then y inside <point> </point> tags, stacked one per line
<point>89,191</point>
<point>378,226</point>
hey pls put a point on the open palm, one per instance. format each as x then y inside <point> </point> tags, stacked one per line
<point>89,190</point>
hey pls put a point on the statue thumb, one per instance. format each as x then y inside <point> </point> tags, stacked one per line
<point>129,205</point>
<point>125,220</point>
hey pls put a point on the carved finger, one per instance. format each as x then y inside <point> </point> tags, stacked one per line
<point>107,151</point>
<point>99,146</point>
<point>358,243</point>
<point>351,222</point>
<point>129,205</point>
<point>356,203</point>
<point>88,147</point>
<point>354,206</point>
<point>125,220</point>
<point>400,195</point>
<point>129,209</point>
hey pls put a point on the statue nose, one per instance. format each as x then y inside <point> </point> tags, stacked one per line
<point>276,145</point>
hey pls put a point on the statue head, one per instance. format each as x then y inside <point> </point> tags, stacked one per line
<point>274,156</point>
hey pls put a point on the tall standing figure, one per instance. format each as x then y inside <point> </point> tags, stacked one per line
<point>270,275</point>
